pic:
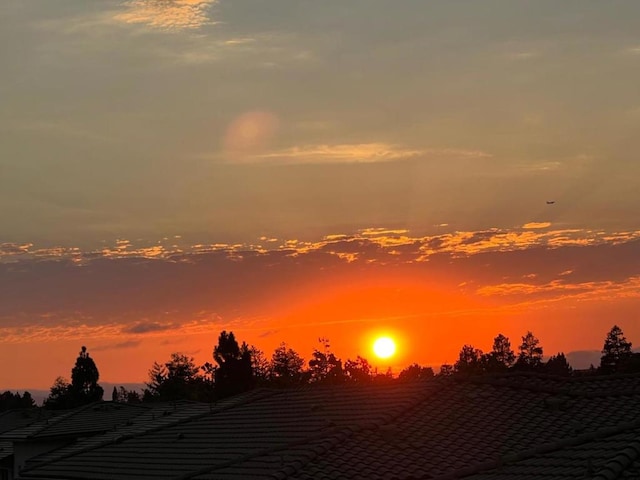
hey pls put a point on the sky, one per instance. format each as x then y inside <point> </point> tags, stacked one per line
<point>291,170</point>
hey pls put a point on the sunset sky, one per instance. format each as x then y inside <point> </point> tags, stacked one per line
<point>289,170</point>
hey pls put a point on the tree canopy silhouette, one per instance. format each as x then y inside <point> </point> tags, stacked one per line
<point>324,366</point>
<point>415,372</point>
<point>501,357</point>
<point>470,361</point>
<point>530,353</point>
<point>84,379</point>
<point>10,401</point>
<point>286,366</point>
<point>176,379</point>
<point>234,373</point>
<point>616,351</point>
<point>358,370</point>
<point>83,389</point>
<point>558,365</point>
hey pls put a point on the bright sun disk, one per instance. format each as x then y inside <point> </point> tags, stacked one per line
<point>384,347</point>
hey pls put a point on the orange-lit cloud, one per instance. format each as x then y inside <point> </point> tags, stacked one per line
<point>358,153</point>
<point>168,14</point>
<point>536,225</point>
<point>363,153</point>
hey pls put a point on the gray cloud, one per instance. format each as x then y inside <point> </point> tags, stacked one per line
<point>117,346</point>
<point>147,327</point>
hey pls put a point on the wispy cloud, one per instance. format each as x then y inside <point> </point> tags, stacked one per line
<point>341,153</point>
<point>363,153</point>
<point>147,327</point>
<point>117,346</point>
<point>168,15</point>
<point>536,225</point>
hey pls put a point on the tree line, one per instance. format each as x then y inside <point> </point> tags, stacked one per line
<point>617,357</point>
<point>238,367</point>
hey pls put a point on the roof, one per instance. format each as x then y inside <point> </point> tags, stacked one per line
<point>532,427</point>
<point>12,420</point>
<point>87,420</point>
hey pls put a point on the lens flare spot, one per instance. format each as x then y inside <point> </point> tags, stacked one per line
<point>250,134</point>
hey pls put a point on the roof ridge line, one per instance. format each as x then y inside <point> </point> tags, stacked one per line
<point>538,450</point>
<point>153,429</point>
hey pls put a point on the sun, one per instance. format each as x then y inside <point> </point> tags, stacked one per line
<point>384,347</point>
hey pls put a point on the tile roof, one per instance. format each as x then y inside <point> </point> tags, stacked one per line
<point>487,428</point>
<point>12,420</point>
<point>86,420</point>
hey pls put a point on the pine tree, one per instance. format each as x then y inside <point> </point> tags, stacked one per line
<point>234,373</point>
<point>84,379</point>
<point>530,353</point>
<point>615,352</point>
<point>501,357</point>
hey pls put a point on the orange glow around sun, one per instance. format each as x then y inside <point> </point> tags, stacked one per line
<point>384,347</point>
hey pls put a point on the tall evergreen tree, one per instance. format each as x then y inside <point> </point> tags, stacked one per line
<point>84,379</point>
<point>501,357</point>
<point>616,351</point>
<point>234,373</point>
<point>530,353</point>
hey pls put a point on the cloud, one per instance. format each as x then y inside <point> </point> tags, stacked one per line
<point>376,152</point>
<point>67,293</point>
<point>117,346</point>
<point>536,225</point>
<point>168,15</point>
<point>147,327</point>
<point>341,153</point>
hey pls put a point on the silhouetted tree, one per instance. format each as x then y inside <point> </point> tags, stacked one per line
<point>324,366</point>
<point>157,376</point>
<point>84,379</point>
<point>59,395</point>
<point>386,377</point>
<point>616,351</point>
<point>128,396</point>
<point>234,373</point>
<point>501,357</point>
<point>446,370</point>
<point>470,361</point>
<point>10,401</point>
<point>558,365</point>
<point>286,366</point>
<point>175,380</point>
<point>27,400</point>
<point>414,372</point>
<point>358,370</point>
<point>530,353</point>
<point>259,364</point>
<point>114,395</point>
